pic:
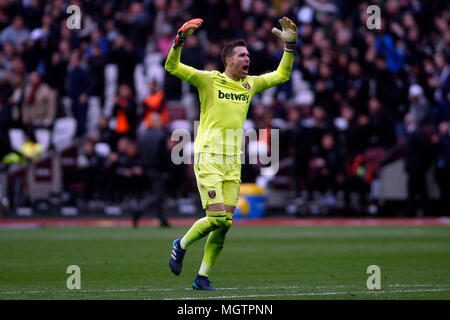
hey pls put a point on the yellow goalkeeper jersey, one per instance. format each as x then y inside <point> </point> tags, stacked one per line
<point>224,102</point>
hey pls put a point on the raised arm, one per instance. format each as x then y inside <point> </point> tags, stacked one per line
<point>173,64</point>
<point>289,35</point>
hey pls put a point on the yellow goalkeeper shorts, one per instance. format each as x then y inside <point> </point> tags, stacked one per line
<point>218,178</point>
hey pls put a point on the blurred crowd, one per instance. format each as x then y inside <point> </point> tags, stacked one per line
<point>357,99</point>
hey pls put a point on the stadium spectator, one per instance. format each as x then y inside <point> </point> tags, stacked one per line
<point>382,133</point>
<point>308,137</point>
<point>124,56</point>
<point>328,166</point>
<point>389,50</point>
<point>176,173</point>
<point>56,68</point>
<point>16,33</point>
<point>125,112</point>
<point>359,176</point>
<point>28,152</point>
<point>442,83</point>
<point>39,103</point>
<point>417,156</point>
<point>130,173</point>
<point>154,159</point>
<point>89,166</point>
<point>109,166</point>
<point>16,100</point>
<point>97,63</point>
<point>5,122</point>
<point>78,87</point>
<point>105,134</point>
<point>155,103</point>
<point>419,105</point>
<point>442,165</point>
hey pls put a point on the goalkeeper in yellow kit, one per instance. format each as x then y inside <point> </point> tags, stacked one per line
<point>224,102</point>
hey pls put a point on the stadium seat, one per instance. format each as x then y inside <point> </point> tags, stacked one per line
<point>16,138</point>
<point>140,83</point>
<point>176,112</point>
<point>102,149</point>
<point>111,79</point>
<point>41,180</point>
<point>249,124</point>
<point>93,114</point>
<point>16,182</point>
<point>279,124</point>
<point>43,137</point>
<point>111,73</point>
<point>373,157</point>
<point>64,132</point>
<point>181,124</point>
<point>153,67</point>
<point>67,106</point>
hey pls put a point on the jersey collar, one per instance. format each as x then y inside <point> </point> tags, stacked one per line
<point>237,81</point>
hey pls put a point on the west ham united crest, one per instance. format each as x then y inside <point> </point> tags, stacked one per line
<point>246,85</point>
<point>212,194</point>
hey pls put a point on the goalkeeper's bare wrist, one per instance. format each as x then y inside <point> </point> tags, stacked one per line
<point>289,46</point>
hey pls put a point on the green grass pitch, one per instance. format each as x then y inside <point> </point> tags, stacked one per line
<point>257,263</point>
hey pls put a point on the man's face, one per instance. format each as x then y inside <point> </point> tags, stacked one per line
<point>239,62</point>
<point>18,23</point>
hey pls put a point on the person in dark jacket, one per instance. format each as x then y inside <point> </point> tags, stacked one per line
<point>78,86</point>
<point>154,158</point>
<point>417,161</point>
<point>329,165</point>
<point>442,168</point>
<point>5,120</point>
<point>129,174</point>
<point>89,168</point>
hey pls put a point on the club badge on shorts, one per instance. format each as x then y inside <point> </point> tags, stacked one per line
<point>212,194</point>
<point>246,85</point>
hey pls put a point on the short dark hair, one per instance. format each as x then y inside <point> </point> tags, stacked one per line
<point>228,49</point>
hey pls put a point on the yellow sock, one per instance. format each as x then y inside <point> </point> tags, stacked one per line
<point>214,246</point>
<point>202,227</point>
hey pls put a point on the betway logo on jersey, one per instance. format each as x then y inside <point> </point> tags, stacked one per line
<point>234,96</point>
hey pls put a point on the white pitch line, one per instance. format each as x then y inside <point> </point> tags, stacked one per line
<point>308,294</point>
<point>419,285</point>
<point>222,289</point>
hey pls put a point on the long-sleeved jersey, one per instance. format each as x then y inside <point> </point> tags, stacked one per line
<point>224,102</point>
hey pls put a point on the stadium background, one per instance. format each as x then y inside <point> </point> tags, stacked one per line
<point>361,108</point>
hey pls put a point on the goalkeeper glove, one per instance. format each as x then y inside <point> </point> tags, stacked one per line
<point>187,30</point>
<point>289,34</point>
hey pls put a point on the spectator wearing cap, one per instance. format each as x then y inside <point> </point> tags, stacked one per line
<point>419,105</point>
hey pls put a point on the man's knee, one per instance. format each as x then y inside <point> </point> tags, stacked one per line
<point>216,215</point>
<point>229,219</point>
<point>217,220</point>
<point>228,223</point>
